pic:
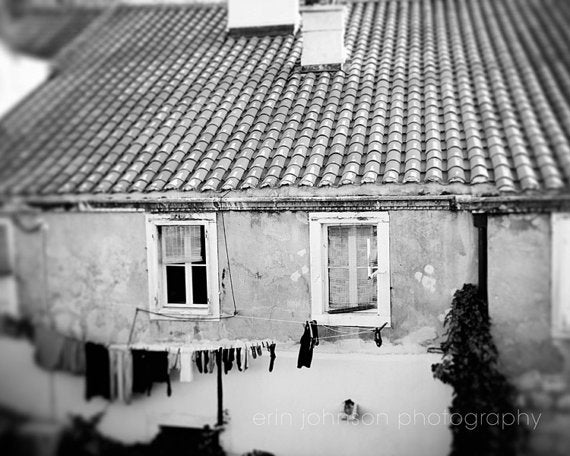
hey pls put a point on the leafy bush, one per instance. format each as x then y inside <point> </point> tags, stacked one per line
<point>469,365</point>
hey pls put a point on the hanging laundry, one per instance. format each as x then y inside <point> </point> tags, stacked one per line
<point>186,374</point>
<point>253,352</point>
<point>174,360</point>
<point>228,359</point>
<point>212,364</point>
<point>49,347</point>
<point>199,361</point>
<point>150,367</point>
<point>245,358</point>
<point>73,356</point>
<point>378,335</point>
<point>259,351</point>
<point>309,339</point>
<point>238,358</point>
<point>271,348</point>
<point>206,361</point>
<point>97,371</point>
<point>121,374</point>
<point>315,332</point>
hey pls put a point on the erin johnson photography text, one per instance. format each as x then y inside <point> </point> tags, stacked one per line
<point>307,419</point>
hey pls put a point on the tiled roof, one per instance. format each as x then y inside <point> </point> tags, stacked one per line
<point>435,91</point>
<point>43,32</point>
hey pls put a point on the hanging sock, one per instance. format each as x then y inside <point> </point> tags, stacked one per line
<point>231,358</point>
<point>212,364</point>
<point>206,361</point>
<point>272,356</point>
<point>225,355</point>
<point>199,361</point>
<point>253,352</point>
<point>238,358</point>
<point>259,351</point>
<point>245,357</point>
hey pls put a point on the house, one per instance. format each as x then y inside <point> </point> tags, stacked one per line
<point>190,174</point>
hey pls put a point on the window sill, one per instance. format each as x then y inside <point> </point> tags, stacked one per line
<point>173,314</point>
<point>361,319</point>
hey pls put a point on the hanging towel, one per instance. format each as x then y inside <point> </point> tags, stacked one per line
<point>174,360</point>
<point>150,367</point>
<point>73,356</point>
<point>49,347</point>
<point>186,373</point>
<point>97,371</point>
<point>121,374</point>
<point>212,364</point>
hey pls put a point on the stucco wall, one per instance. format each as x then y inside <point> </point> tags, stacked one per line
<point>96,274</point>
<point>519,248</point>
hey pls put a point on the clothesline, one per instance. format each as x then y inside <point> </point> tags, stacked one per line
<point>251,317</point>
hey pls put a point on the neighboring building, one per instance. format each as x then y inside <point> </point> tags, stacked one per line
<point>356,169</point>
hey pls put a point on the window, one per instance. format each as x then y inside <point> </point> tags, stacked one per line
<point>350,268</point>
<point>8,291</point>
<point>560,274</point>
<point>182,260</point>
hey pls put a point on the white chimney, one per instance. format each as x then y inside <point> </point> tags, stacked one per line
<point>263,17</point>
<point>323,36</point>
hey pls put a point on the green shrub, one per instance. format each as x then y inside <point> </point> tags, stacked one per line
<point>469,365</point>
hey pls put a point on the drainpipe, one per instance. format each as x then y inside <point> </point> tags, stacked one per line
<point>480,222</point>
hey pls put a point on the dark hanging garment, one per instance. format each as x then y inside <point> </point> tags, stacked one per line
<point>97,375</point>
<point>206,361</point>
<point>315,332</point>
<point>150,367</point>
<point>199,361</point>
<point>238,358</point>
<point>306,349</point>
<point>272,356</point>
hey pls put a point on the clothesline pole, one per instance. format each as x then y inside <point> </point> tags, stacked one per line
<point>220,388</point>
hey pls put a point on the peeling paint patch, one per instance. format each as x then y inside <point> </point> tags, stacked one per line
<point>295,276</point>
<point>426,279</point>
<point>302,252</point>
<point>305,269</point>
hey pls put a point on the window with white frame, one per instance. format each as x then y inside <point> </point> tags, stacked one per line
<point>182,264</point>
<point>560,274</point>
<point>350,268</point>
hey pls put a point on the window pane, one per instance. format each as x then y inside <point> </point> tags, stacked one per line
<point>199,245</point>
<point>199,285</point>
<point>338,245</point>
<point>338,288</point>
<point>183,244</point>
<point>366,248</point>
<point>367,290</point>
<point>176,284</point>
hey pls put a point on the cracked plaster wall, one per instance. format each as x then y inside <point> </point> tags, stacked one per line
<point>97,275</point>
